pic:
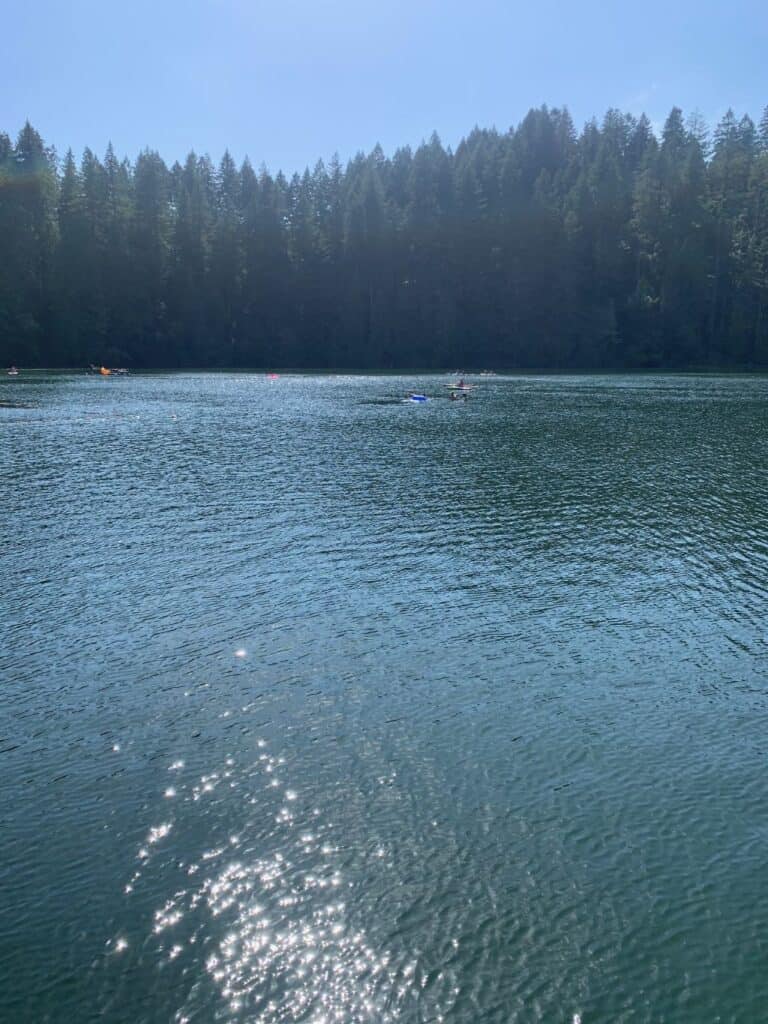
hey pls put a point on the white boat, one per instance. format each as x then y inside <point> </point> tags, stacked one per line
<point>12,371</point>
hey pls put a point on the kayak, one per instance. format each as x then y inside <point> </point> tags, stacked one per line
<point>417,398</point>
<point>459,387</point>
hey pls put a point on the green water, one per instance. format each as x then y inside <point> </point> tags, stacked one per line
<point>318,705</point>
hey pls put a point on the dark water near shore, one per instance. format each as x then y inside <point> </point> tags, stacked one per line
<point>320,706</point>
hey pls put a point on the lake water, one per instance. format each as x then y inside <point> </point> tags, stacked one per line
<point>322,706</point>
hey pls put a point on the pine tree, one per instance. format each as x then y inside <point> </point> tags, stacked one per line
<point>70,271</point>
<point>28,230</point>
<point>762,132</point>
<point>149,250</point>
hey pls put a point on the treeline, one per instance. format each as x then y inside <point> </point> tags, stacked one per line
<point>533,248</point>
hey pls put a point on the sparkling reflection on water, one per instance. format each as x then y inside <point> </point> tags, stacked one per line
<point>322,706</point>
<point>283,948</point>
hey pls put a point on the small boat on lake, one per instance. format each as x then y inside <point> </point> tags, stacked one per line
<point>12,371</point>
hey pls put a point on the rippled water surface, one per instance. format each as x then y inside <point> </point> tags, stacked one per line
<point>322,706</point>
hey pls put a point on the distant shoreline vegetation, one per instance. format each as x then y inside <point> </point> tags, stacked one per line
<point>539,248</point>
<point>411,372</point>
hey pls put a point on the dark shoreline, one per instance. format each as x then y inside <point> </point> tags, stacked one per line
<point>421,371</point>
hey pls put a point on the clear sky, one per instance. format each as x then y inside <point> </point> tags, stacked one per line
<point>287,81</point>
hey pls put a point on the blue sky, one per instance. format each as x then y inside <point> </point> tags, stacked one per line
<point>287,81</point>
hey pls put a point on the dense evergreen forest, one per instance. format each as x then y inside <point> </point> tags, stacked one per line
<point>533,248</point>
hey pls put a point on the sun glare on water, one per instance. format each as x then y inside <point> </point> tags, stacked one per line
<point>274,922</point>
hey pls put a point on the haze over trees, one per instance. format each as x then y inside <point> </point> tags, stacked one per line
<point>533,248</point>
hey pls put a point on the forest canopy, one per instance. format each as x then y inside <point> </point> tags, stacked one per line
<point>538,247</point>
